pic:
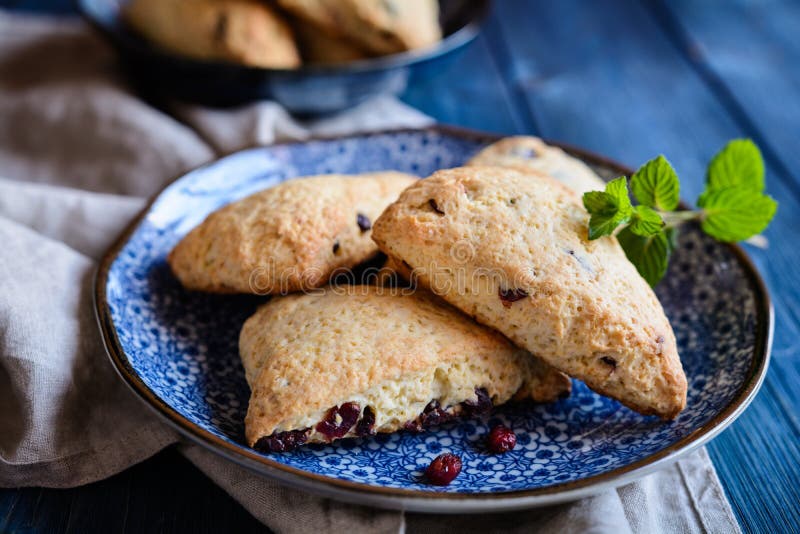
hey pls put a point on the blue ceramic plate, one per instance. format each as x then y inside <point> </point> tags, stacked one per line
<point>178,351</point>
<point>311,89</point>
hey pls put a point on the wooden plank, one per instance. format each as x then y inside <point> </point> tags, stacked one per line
<point>750,53</point>
<point>756,439</point>
<point>606,76</point>
<point>469,92</point>
<point>101,503</point>
<point>168,494</point>
<point>50,7</point>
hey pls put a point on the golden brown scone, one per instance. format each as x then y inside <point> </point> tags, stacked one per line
<point>287,238</point>
<point>538,383</point>
<point>332,364</point>
<point>379,26</point>
<point>241,31</point>
<point>526,153</point>
<point>512,251</point>
<point>319,47</point>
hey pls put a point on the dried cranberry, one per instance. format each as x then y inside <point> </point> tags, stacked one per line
<point>282,441</point>
<point>501,439</point>
<point>435,207</point>
<point>608,360</point>
<point>481,405</point>
<point>339,420</point>
<point>443,469</point>
<point>366,426</point>
<point>413,426</point>
<point>363,222</point>
<point>434,415</point>
<point>524,152</point>
<point>221,27</point>
<point>507,296</point>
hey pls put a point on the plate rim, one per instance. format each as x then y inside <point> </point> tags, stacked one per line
<point>419,500</point>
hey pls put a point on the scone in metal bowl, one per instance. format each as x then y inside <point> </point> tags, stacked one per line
<point>311,89</point>
<point>178,352</point>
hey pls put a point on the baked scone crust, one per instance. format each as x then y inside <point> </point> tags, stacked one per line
<point>539,382</point>
<point>287,238</point>
<point>527,153</point>
<point>249,32</point>
<point>511,250</point>
<point>393,351</point>
<point>317,46</point>
<point>379,26</point>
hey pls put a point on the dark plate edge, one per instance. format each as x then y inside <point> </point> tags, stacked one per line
<point>432,501</point>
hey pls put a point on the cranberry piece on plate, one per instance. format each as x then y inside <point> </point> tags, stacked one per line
<point>501,439</point>
<point>443,469</point>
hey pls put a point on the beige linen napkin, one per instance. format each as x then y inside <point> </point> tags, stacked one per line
<point>78,152</point>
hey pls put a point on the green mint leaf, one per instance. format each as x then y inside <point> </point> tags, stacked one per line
<point>656,185</point>
<point>608,208</point>
<point>736,213</point>
<point>645,221</point>
<point>617,189</point>
<point>672,239</point>
<point>650,255</point>
<point>595,201</point>
<point>738,164</point>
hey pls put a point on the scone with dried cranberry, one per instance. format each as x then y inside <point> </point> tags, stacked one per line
<point>249,32</point>
<point>513,252</point>
<point>526,153</point>
<point>333,364</point>
<point>378,26</point>
<point>287,238</point>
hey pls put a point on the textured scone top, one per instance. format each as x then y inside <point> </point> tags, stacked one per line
<point>526,153</point>
<point>304,353</point>
<point>384,27</point>
<point>287,237</point>
<point>511,249</point>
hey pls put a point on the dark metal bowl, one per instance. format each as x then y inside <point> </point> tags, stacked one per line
<point>311,89</point>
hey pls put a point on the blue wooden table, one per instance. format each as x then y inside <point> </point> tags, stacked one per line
<point>625,78</point>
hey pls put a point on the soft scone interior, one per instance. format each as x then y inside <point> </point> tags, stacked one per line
<point>403,359</point>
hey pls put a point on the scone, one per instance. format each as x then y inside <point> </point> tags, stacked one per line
<point>512,251</point>
<point>537,384</point>
<point>249,32</point>
<point>332,365</point>
<point>320,47</point>
<point>290,237</point>
<point>379,26</point>
<point>526,153</point>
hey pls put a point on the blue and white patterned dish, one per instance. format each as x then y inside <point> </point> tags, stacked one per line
<point>178,351</point>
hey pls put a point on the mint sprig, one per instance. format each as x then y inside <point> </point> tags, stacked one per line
<point>609,208</point>
<point>732,208</point>
<point>656,185</point>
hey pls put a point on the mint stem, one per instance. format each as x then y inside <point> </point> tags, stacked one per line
<point>676,218</point>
